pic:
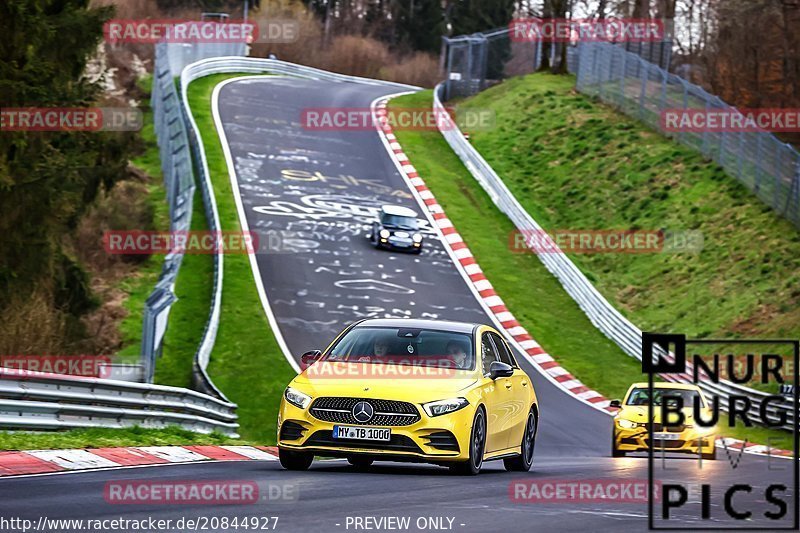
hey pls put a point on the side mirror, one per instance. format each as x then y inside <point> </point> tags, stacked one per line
<point>309,358</point>
<point>615,403</point>
<point>499,369</point>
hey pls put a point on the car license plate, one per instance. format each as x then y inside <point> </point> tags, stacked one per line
<point>666,436</point>
<point>361,433</point>
<point>399,242</point>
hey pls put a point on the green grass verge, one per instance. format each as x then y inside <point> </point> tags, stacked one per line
<point>103,437</point>
<point>247,363</point>
<point>535,297</point>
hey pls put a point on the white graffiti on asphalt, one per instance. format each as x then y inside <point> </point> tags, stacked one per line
<point>373,285</point>
<point>318,206</point>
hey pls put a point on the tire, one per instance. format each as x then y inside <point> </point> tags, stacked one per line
<point>614,451</point>
<point>523,462</point>
<point>361,463</point>
<point>477,447</point>
<point>295,460</point>
<point>712,456</point>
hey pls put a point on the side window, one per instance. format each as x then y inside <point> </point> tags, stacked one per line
<point>503,351</point>
<point>488,353</point>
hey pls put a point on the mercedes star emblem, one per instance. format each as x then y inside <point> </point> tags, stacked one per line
<point>363,412</point>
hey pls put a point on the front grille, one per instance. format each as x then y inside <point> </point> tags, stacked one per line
<point>387,412</point>
<point>442,440</point>
<point>666,444</point>
<point>291,430</point>
<point>629,440</point>
<point>400,443</point>
<point>658,428</point>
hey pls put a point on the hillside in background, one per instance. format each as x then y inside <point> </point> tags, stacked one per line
<point>577,164</point>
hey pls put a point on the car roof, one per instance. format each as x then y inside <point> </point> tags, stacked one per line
<point>446,325</point>
<point>398,210</point>
<point>662,385</point>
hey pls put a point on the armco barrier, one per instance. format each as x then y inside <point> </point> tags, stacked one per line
<point>178,141</point>
<point>40,401</point>
<point>601,313</point>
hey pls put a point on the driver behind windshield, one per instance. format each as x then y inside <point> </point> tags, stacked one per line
<point>458,352</point>
<point>380,347</point>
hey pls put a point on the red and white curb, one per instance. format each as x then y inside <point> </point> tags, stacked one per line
<point>456,247</point>
<point>16,463</point>
<point>494,304</point>
<point>735,446</point>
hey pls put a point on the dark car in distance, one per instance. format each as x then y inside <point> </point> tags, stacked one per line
<point>396,228</point>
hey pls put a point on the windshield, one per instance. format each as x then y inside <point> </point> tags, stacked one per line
<point>641,397</point>
<point>399,222</point>
<point>405,346</point>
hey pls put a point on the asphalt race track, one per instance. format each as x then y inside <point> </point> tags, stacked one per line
<point>314,191</point>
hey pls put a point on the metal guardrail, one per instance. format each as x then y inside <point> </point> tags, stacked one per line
<point>40,401</point>
<point>601,313</point>
<point>177,137</point>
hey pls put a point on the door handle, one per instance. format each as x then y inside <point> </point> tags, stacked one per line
<point>508,385</point>
<point>524,383</point>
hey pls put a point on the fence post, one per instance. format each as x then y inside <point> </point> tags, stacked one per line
<point>681,135</point>
<point>449,81</point>
<point>740,156</point>
<point>778,166</point>
<point>759,138</point>
<point>623,53</point>
<point>705,131</point>
<point>793,205</point>
<point>469,66</point>
<point>644,69</point>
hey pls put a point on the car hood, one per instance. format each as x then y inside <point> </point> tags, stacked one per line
<point>364,380</point>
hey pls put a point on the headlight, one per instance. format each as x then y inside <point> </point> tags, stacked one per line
<point>417,237</point>
<point>626,424</point>
<point>385,233</point>
<point>297,398</point>
<point>442,407</point>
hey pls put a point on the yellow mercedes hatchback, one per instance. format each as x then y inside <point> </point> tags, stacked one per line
<point>630,432</point>
<point>447,393</point>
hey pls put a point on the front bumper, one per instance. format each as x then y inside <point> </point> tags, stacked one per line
<point>409,246</point>
<point>438,439</point>
<point>687,441</point>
